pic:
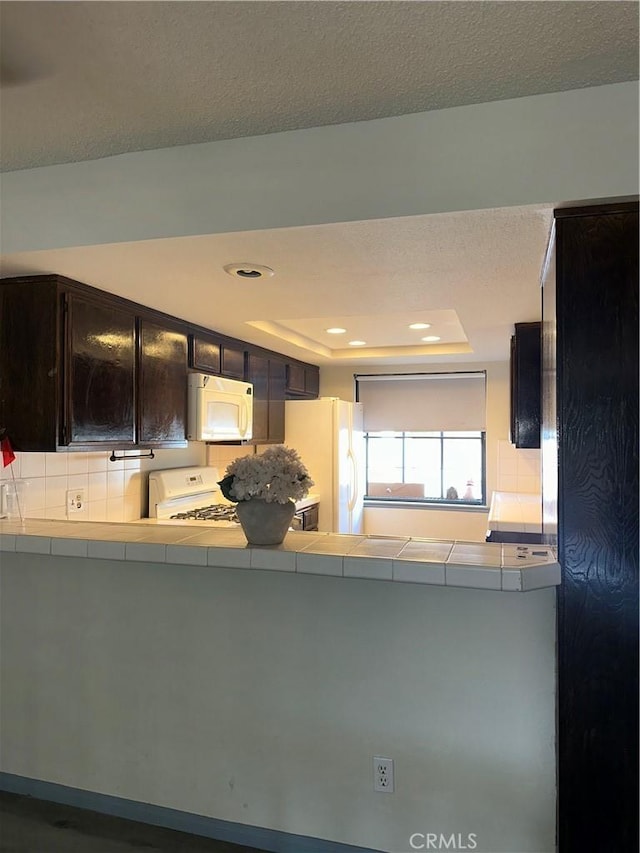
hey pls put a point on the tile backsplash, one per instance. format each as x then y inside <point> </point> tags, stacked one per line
<point>220,455</point>
<point>518,470</point>
<point>113,490</point>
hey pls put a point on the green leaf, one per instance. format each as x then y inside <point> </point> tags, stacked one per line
<point>225,487</point>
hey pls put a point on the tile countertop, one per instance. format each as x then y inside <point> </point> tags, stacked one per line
<point>310,500</point>
<point>516,512</point>
<point>474,565</point>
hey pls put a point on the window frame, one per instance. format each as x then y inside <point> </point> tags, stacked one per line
<point>459,503</point>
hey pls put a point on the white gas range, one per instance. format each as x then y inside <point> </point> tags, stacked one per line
<point>189,495</point>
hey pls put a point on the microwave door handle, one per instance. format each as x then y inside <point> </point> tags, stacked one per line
<point>244,417</point>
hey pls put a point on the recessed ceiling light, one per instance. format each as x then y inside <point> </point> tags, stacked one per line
<point>420,326</point>
<point>336,330</point>
<point>248,270</point>
<point>430,339</point>
<point>357,343</point>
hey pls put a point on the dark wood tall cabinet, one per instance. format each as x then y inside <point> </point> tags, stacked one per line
<point>595,340</point>
<point>268,375</point>
<point>525,385</point>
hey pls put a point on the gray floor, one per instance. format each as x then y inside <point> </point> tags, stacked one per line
<point>34,826</point>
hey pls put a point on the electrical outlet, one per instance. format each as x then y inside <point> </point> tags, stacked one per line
<point>75,502</point>
<point>383,774</point>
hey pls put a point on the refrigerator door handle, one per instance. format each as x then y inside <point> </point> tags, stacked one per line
<point>353,486</point>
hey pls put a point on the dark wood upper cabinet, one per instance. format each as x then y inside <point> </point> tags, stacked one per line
<point>81,368</point>
<point>302,381</point>
<point>210,354</point>
<point>526,385</point>
<point>204,354</point>
<point>163,386</point>
<point>268,376</point>
<point>100,370</point>
<point>31,323</point>
<point>232,362</point>
<point>84,369</point>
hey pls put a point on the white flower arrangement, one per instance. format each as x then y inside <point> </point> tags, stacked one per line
<point>277,475</point>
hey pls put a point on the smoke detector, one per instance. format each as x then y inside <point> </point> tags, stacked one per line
<point>248,271</point>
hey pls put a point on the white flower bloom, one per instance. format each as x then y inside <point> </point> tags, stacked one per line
<point>277,475</point>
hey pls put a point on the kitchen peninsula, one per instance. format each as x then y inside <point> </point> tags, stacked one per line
<point>149,670</point>
<point>474,565</point>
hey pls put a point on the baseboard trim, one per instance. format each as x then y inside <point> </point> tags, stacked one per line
<point>271,840</point>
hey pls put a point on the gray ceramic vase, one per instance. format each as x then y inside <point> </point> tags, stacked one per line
<point>265,523</point>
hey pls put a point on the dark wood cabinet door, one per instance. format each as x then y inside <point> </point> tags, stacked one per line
<point>30,372</point>
<point>258,374</point>
<point>204,354</point>
<point>162,386</point>
<point>277,386</point>
<point>312,381</point>
<point>296,378</point>
<point>100,371</point>
<point>232,362</point>
<point>303,381</point>
<point>526,392</point>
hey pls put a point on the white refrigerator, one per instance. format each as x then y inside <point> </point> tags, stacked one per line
<point>328,435</point>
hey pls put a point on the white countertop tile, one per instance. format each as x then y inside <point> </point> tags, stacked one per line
<point>273,558</point>
<point>310,500</point>
<point>477,565</point>
<point>372,568</point>
<point>229,558</point>
<point>473,577</point>
<point>333,543</point>
<point>72,547</point>
<point>33,544</point>
<point>476,554</point>
<point>106,550</point>
<point>412,571</point>
<point>319,564</point>
<point>146,552</point>
<point>186,555</point>
<point>426,550</point>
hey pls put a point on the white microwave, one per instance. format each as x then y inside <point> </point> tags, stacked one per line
<point>219,409</point>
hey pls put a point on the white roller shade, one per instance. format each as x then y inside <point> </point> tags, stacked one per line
<point>424,402</point>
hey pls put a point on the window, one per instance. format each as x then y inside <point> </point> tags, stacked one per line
<point>425,437</point>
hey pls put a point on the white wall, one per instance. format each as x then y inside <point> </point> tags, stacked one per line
<point>261,698</point>
<point>502,467</point>
<point>547,148</point>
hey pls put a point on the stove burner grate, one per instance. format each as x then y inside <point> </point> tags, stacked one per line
<point>215,512</point>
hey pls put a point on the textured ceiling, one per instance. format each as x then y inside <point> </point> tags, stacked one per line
<point>373,277</point>
<point>85,80</point>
